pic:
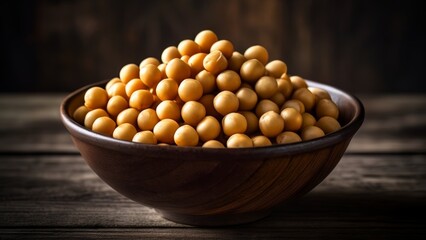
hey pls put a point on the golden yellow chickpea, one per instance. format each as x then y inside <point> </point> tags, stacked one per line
<point>128,115</point>
<point>116,104</point>
<point>319,93</point>
<point>128,72</point>
<point>261,141</point>
<point>188,47</point>
<point>225,46</point>
<point>186,136</point>
<point>167,89</point>
<point>207,101</point>
<point>271,124</point>
<point>288,137</point>
<point>276,68</point>
<point>149,60</point>
<point>285,87</point>
<point>196,63</point>
<point>79,114</point>
<point>327,107</point>
<point>298,82</point>
<point>252,70</point>
<point>207,80</point>
<point>311,132</point>
<point>92,115</point>
<point>164,130</point>
<point>257,52</point>
<point>247,98</point>
<point>252,122</point>
<point>185,58</point>
<point>306,97</point>
<point>150,75</point>
<point>193,112</point>
<point>278,98</point>
<point>133,85</point>
<point>225,102</point>
<point>292,119</point>
<point>208,128</point>
<point>213,144</point>
<point>308,120</point>
<point>111,82</point>
<point>215,62</point>
<point>141,99</point>
<point>205,40</point>
<point>328,124</point>
<point>178,70</point>
<point>239,140</point>
<point>162,68</point>
<point>236,61</point>
<point>234,123</point>
<point>266,87</point>
<point>146,137</point>
<point>147,119</point>
<point>294,103</point>
<point>264,106</point>
<point>125,131</point>
<point>170,53</point>
<point>118,89</point>
<point>190,90</point>
<point>104,126</point>
<point>228,80</point>
<point>95,97</point>
<point>168,110</point>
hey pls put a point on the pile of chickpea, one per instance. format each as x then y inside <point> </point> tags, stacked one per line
<point>204,93</point>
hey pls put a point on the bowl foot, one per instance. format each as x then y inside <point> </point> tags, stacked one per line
<point>214,220</point>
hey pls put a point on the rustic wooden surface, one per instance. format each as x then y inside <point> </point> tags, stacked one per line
<point>377,191</point>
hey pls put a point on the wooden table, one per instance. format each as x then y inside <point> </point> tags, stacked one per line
<point>376,192</point>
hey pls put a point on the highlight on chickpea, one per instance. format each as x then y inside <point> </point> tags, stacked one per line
<point>205,93</point>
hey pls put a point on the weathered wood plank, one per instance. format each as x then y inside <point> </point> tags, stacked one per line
<point>363,192</point>
<point>394,123</point>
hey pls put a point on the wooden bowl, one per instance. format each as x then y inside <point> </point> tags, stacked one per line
<point>211,187</point>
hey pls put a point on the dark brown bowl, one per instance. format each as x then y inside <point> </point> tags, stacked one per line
<point>210,187</point>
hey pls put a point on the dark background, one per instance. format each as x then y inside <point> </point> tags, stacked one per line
<point>359,46</point>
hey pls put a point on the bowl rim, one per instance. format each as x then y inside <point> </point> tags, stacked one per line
<point>347,131</point>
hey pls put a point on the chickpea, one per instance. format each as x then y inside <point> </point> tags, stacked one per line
<point>125,131</point>
<point>319,94</point>
<point>196,63</point>
<point>213,144</point>
<point>308,120</point>
<point>215,62</point>
<point>128,72</point>
<point>234,123</point>
<point>193,112</point>
<point>95,97</point>
<point>79,114</point>
<point>128,115</point>
<point>208,128</point>
<point>162,68</point>
<point>167,89</point>
<point>257,52</point>
<point>116,104</point>
<point>118,89</point>
<point>276,68</point>
<point>239,140</point>
<point>164,130</point>
<point>327,107</point>
<point>225,102</point>
<point>261,141</point>
<point>236,61</point>
<point>104,125</point>
<point>306,97</point>
<point>252,70</point>
<point>190,90</point>
<point>292,119</point>
<point>278,98</point>
<point>169,54</point>
<point>141,99</point>
<point>228,80</point>
<point>288,137</point>
<point>225,46</point>
<point>207,101</point>
<point>188,47</point>
<point>168,110</point>
<point>178,70</point>
<point>328,124</point>
<point>207,80</point>
<point>92,115</point>
<point>147,119</point>
<point>294,103</point>
<point>285,87</point>
<point>146,137</point>
<point>149,60</point>
<point>264,106</point>
<point>247,99</point>
<point>271,124</point>
<point>150,75</point>
<point>186,135</point>
<point>311,132</point>
<point>185,59</point>
<point>205,40</point>
<point>111,82</point>
<point>298,82</point>
<point>266,87</point>
<point>252,122</point>
<point>133,85</point>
